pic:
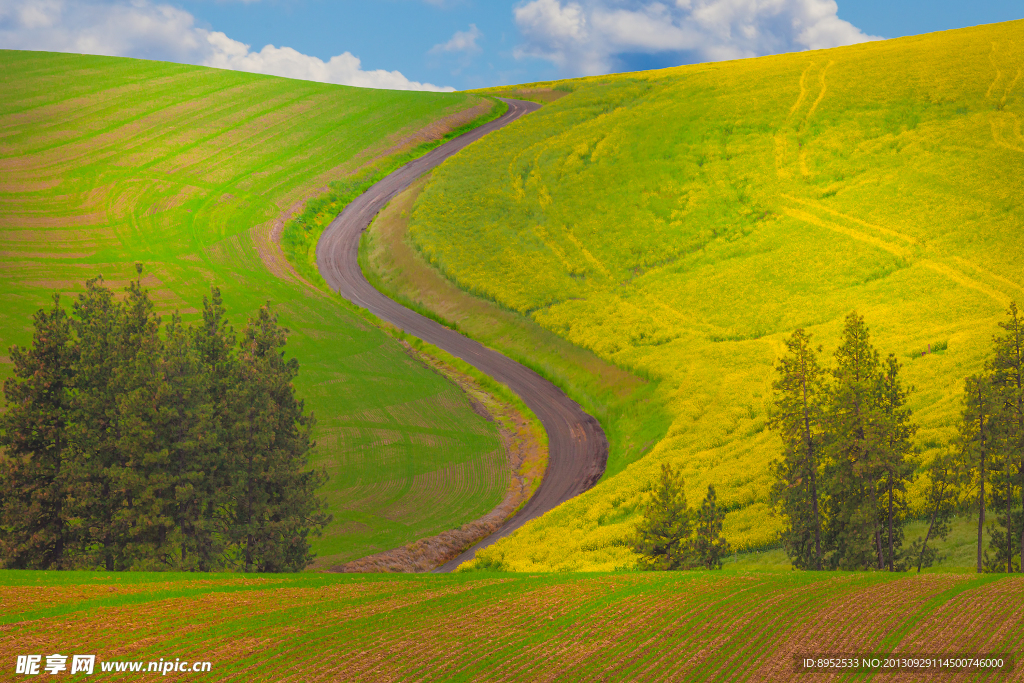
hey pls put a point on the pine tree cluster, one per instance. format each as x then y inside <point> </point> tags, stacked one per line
<point>127,449</point>
<point>987,458</point>
<point>671,536</point>
<point>841,483</point>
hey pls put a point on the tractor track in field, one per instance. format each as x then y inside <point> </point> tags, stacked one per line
<point>577,447</point>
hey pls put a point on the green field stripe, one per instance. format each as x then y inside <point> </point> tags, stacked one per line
<point>108,112</point>
<point>895,637</point>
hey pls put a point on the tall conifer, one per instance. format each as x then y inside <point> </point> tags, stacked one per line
<point>189,434</point>
<point>662,539</point>
<point>96,428</point>
<point>709,545</point>
<point>34,517</point>
<point>856,450</point>
<point>895,458</point>
<point>275,509</point>
<point>1007,368</point>
<point>796,414</point>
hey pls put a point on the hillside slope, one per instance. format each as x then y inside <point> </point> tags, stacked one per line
<point>105,162</point>
<point>683,222</point>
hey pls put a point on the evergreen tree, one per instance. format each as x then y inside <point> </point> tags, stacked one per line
<point>123,450</point>
<point>895,460</point>
<point>145,522</point>
<point>976,436</point>
<point>275,509</point>
<point>93,464</point>
<point>796,414</point>
<point>215,345</point>
<point>35,530</point>
<point>1007,370</point>
<point>1004,518</point>
<point>662,538</point>
<point>856,448</point>
<point>709,545</point>
<point>188,432</point>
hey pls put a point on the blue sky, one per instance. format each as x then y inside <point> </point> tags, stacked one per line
<point>469,43</point>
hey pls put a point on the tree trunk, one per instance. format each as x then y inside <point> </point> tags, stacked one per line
<point>1009,521</point>
<point>874,523</point>
<point>981,500</point>
<point>935,514</point>
<point>812,469</point>
<point>817,519</point>
<point>890,524</point>
<point>928,534</point>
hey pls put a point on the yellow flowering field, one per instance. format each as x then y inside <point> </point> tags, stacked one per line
<point>681,223</point>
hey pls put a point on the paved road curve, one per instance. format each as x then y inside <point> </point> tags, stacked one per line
<point>577,448</point>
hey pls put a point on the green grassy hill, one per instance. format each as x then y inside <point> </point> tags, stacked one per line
<point>657,626</point>
<point>105,162</point>
<point>681,223</point>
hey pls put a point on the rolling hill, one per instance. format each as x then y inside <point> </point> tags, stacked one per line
<point>192,171</point>
<point>681,223</point>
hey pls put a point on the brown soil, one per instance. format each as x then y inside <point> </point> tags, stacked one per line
<point>267,238</point>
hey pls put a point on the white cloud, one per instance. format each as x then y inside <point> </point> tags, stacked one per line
<point>585,37</point>
<point>153,31</point>
<point>461,41</point>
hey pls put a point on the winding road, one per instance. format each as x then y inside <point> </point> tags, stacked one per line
<point>577,447</point>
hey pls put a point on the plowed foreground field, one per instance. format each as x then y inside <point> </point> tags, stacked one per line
<point>192,171</point>
<point>681,223</point>
<point>504,627</point>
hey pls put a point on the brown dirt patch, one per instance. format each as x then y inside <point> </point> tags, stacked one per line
<point>267,240</point>
<point>987,618</point>
<point>37,186</point>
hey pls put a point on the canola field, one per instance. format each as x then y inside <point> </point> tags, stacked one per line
<point>657,626</point>
<point>681,223</point>
<point>105,162</point>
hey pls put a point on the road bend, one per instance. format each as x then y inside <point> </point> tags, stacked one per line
<point>577,447</point>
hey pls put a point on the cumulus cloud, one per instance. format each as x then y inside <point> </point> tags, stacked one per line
<point>461,41</point>
<point>154,31</point>
<point>589,37</point>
